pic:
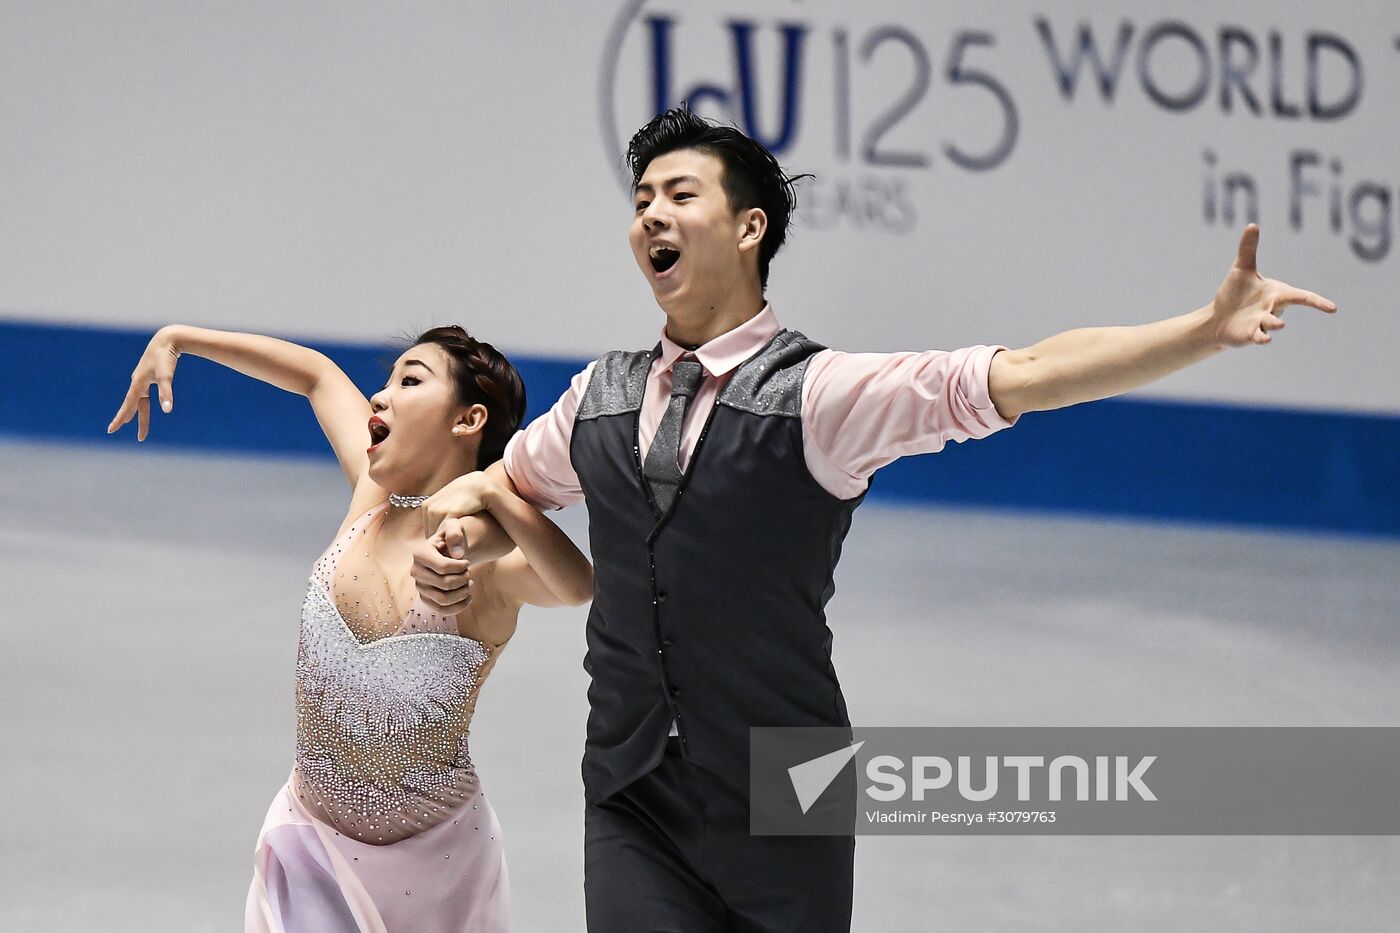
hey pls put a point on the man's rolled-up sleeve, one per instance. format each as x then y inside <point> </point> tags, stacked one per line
<point>537,458</point>
<point>861,411</point>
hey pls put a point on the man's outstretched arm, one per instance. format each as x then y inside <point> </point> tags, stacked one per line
<point>1098,362</point>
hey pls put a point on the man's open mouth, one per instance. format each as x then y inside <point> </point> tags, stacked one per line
<point>663,258</point>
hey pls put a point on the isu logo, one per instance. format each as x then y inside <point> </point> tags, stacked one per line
<point>822,86</point>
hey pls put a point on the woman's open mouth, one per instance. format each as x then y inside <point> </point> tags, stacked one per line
<point>378,431</point>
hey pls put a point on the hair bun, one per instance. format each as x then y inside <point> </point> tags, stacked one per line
<point>483,375</point>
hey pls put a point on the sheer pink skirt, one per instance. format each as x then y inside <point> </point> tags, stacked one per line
<point>308,878</point>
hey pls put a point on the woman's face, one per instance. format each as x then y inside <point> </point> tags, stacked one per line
<point>411,429</point>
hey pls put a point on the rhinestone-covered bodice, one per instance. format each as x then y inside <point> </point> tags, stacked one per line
<point>382,725</point>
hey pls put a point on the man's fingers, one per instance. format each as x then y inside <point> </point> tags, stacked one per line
<point>429,555</point>
<point>1271,322</point>
<point>1249,246</point>
<point>454,537</point>
<point>443,581</point>
<point>429,579</point>
<point>448,602</point>
<point>1301,296</point>
<point>444,596</point>
<point>445,593</point>
<point>430,566</point>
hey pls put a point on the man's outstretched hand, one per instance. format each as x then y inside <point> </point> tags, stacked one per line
<point>441,570</point>
<point>1246,309</point>
<point>442,560</point>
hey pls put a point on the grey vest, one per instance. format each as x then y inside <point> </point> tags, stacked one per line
<point>712,614</point>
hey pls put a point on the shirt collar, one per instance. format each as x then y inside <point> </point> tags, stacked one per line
<point>729,349</point>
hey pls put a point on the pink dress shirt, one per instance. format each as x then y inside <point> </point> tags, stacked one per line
<point>860,411</point>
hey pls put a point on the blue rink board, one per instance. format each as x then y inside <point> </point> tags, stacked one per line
<point>1194,462</point>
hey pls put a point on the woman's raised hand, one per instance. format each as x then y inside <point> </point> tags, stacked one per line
<point>157,365</point>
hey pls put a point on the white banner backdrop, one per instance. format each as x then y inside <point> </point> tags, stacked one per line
<point>351,171</point>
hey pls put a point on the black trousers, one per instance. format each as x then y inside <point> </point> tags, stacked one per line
<point>671,853</point>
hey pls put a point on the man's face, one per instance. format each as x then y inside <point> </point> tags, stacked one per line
<point>684,236</point>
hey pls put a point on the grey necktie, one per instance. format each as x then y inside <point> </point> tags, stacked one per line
<point>662,468</point>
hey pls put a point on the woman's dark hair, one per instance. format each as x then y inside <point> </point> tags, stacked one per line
<point>752,176</point>
<point>482,374</point>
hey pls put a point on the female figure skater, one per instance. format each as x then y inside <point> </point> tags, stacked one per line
<point>382,825</point>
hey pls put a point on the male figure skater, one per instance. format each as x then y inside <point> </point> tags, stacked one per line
<point>721,469</point>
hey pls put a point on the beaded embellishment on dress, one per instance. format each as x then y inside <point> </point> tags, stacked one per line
<point>381,750</point>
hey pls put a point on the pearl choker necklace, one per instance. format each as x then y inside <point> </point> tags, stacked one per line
<point>407,502</point>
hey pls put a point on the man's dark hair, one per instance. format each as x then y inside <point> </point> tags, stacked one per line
<point>752,176</point>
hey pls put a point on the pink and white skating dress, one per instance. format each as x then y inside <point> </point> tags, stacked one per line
<point>382,826</point>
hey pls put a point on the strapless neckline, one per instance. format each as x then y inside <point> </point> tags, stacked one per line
<point>399,633</point>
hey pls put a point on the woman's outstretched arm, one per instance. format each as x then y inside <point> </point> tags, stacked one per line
<point>340,407</point>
